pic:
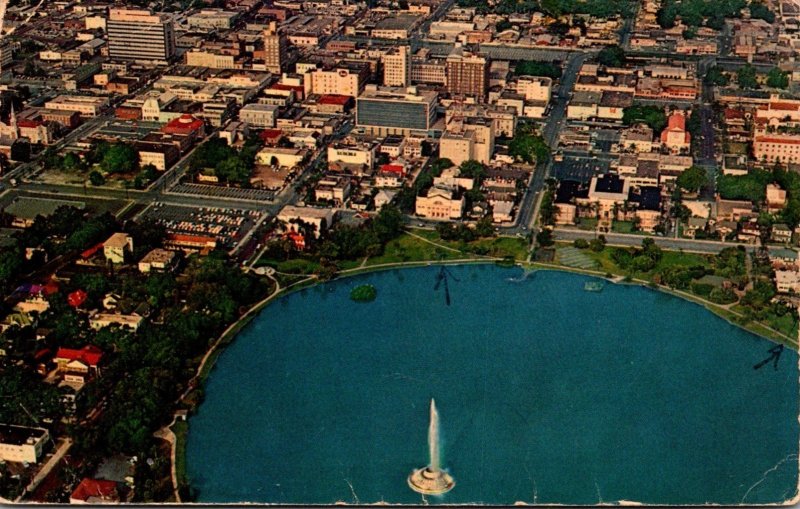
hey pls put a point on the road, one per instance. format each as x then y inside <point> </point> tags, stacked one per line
<point>528,208</point>
<point>628,239</point>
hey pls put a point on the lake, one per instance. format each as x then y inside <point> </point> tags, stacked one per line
<point>546,393</point>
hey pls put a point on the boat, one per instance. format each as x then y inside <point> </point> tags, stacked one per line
<point>593,286</point>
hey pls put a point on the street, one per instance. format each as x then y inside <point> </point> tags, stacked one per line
<point>629,239</point>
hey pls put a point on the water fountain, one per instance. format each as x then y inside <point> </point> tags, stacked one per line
<point>432,480</point>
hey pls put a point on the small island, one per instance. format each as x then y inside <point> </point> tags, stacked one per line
<point>363,293</point>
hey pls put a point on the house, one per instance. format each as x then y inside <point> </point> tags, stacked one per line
<point>101,320</point>
<point>116,246</point>
<point>776,198</point>
<point>95,491</point>
<point>781,233</point>
<point>733,210</point>
<point>157,259</point>
<point>783,259</point>
<point>749,231</point>
<point>190,243</point>
<point>77,298</point>
<point>85,360</point>
<point>33,304</point>
<point>22,444</point>
<point>76,367</point>
<point>787,281</point>
<point>383,197</point>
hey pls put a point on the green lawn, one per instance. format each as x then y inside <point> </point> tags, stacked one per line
<point>503,246</point>
<point>587,223</point>
<point>181,429</point>
<point>677,258</point>
<point>622,226</point>
<point>407,248</point>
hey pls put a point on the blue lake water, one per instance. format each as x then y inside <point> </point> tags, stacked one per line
<point>547,393</point>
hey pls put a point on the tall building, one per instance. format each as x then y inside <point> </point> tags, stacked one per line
<point>135,34</point>
<point>397,67</point>
<point>347,78</point>
<point>274,49</point>
<point>467,74</point>
<point>466,139</point>
<point>387,110</point>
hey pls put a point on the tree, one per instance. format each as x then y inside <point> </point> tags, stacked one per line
<point>233,170</point>
<point>97,178</point>
<point>653,116</point>
<point>472,169</point>
<point>545,237</point>
<point>529,147</point>
<point>502,25</point>
<point>536,68</point>
<point>120,158</point>
<point>777,78</point>
<point>760,11</point>
<point>746,77</point>
<point>611,56</point>
<point>692,179</point>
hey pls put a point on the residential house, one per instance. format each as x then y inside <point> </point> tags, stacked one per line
<point>117,246</point>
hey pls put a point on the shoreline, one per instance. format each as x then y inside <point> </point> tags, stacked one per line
<point>227,337</point>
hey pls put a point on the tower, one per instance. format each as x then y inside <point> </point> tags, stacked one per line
<point>274,49</point>
<point>397,67</point>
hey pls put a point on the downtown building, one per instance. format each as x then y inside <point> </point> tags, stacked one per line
<point>386,110</point>
<point>139,35</point>
<point>467,74</point>
<point>397,67</point>
<point>275,47</point>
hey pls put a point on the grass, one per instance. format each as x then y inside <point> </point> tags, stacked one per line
<point>293,266</point>
<point>680,259</point>
<point>181,429</point>
<point>408,248</point>
<point>622,227</point>
<point>736,148</point>
<point>587,223</point>
<point>503,246</point>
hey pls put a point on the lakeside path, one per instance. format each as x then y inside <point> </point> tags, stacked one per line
<point>206,364</point>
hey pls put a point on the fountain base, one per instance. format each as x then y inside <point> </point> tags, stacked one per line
<point>430,482</point>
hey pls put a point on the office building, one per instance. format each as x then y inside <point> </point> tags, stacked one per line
<point>467,74</point>
<point>135,34</point>
<point>386,110</point>
<point>275,46</point>
<point>397,67</point>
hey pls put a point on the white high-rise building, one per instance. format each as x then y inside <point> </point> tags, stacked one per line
<point>397,67</point>
<point>136,34</point>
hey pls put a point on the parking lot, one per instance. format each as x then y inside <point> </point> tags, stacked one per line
<point>237,193</point>
<point>228,225</point>
<point>581,169</point>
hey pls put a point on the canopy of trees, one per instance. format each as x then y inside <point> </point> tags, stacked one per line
<point>692,179</point>
<point>777,78</point>
<point>528,147</point>
<point>746,77</point>
<point>653,116</point>
<point>535,68</point>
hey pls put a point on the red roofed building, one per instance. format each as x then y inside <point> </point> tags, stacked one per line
<point>271,137</point>
<point>777,147</point>
<point>397,169</point>
<point>78,365</point>
<point>779,110</point>
<point>297,239</point>
<point>77,298</point>
<point>190,243</point>
<point>675,137</point>
<point>333,103</point>
<point>91,251</point>
<point>185,125</point>
<point>95,491</point>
